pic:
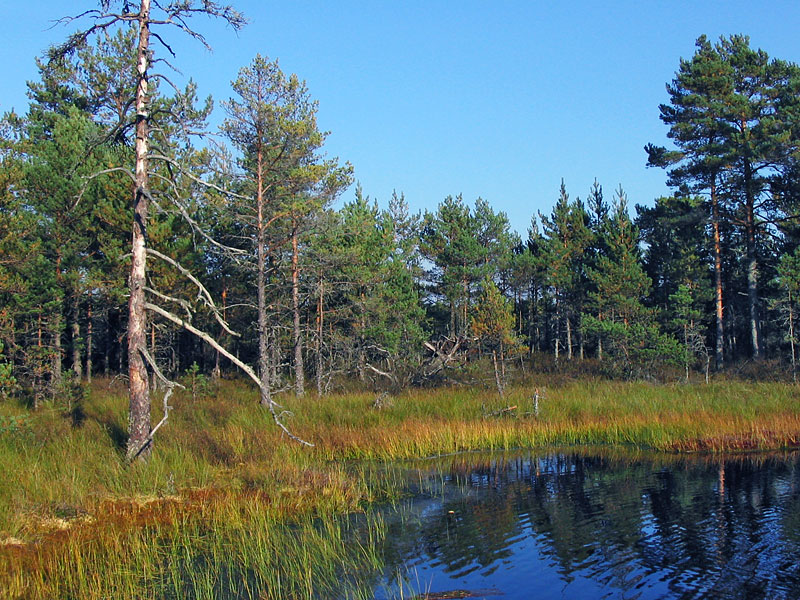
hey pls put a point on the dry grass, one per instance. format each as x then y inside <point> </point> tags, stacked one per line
<point>75,519</point>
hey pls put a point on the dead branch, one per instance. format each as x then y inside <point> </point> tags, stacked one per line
<point>382,401</point>
<point>203,293</point>
<point>499,413</point>
<point>216,345</point>
<point>440,358</point>
<point>180,301</point>
<point>171,385</point>
<point>389,376</point>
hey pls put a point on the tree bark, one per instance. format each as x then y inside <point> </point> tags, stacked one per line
<point>299,374</point>
<point>261,261</point>
<point>76,338</point>
<point>557,331</point>
<point>55,376</point>
<point>720,330</point>
<point>89,340</point>
<point>139,442</point>
<point>569,337</point>
<point>497,373</point>
<point>320,330</point>
<point>752,268</point>
<point>791,338</point>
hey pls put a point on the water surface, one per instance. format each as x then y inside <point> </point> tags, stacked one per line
<point>577,526</point>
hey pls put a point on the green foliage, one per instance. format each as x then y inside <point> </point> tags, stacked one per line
<point>687,325</point>
<point>677,250</point>
<point>492,319</point>
<point>8,383</point>
<point>464,246</point>
<point>375,303</point>
<point>15,424</point>
<point>198,383</point>
<point>635,350</point>
<point>733,116</point>
<point>627,328</point>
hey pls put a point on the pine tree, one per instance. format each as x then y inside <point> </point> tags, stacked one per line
<point>106,19</point>
<point>567,239</point>
<point>676,252</point>
<point>273,124</point>
<point>733,116</point>
<point>619,317</point>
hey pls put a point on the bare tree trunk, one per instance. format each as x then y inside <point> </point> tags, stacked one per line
<point>752,262</point>
<point>217,373</point>
<point>155,382</point>
<point>261,285</point>
<point>76,338</point>
<point>299,374</point>
<point>320,330</point>
<point>139,443</point>
<point>55,376</point>
<point>108,342</point>
<point>720,332</point>
<point>686,347</point>
<point>503,364</point>
<point>791,339</point>
<point>497,373</point>
<point>557,331</point>
<point>533,338</point>
<point>37,371</point>
<point>465,316</point>
<point>274,356</point>
<point>89,340</point>
<point>569,337</point>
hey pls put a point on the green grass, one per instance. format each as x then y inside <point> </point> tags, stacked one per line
<point>224,491</point>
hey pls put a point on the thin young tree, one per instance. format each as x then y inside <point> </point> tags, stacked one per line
<point>273,125</point>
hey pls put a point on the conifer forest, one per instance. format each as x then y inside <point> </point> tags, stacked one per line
<point>228,370</point>
<point>136,243</point>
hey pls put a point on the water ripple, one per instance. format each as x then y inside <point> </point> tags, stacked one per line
<point>567,526</point>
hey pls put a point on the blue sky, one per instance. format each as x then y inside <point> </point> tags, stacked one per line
<point>493,99</point>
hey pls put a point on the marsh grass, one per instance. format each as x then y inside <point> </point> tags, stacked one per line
<point>226,506</point>
<point>202,545</point>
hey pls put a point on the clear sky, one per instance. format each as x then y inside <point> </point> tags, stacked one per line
<point>493,99</point>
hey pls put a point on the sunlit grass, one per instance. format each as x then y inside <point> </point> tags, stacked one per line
<point>221,470</point>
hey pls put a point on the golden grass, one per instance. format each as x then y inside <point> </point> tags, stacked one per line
<point>220,468</point>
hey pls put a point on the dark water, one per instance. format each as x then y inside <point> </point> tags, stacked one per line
<point>573,526</point>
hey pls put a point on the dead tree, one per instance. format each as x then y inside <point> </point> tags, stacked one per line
<point>175,14</point>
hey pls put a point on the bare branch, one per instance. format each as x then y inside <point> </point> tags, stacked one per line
<point>203,293</point>
<point>171,385</point>
<point>216,345</point>
<point>196,179</point>
<point>163,43</point>
<point>180,301</point>
<point>382,373</point>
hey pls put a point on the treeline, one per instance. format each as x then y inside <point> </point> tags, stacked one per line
<point>248,263</point>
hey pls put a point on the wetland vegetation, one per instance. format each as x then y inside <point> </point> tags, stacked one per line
<point>226,507</point>
<point>217,382</point>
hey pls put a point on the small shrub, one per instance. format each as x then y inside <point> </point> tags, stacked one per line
<point>199,384</point>
<point>15,424</point>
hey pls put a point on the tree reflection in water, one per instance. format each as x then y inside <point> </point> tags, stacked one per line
<point>613,526</point>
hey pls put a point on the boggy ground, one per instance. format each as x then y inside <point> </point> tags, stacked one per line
<point>207,515</point>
